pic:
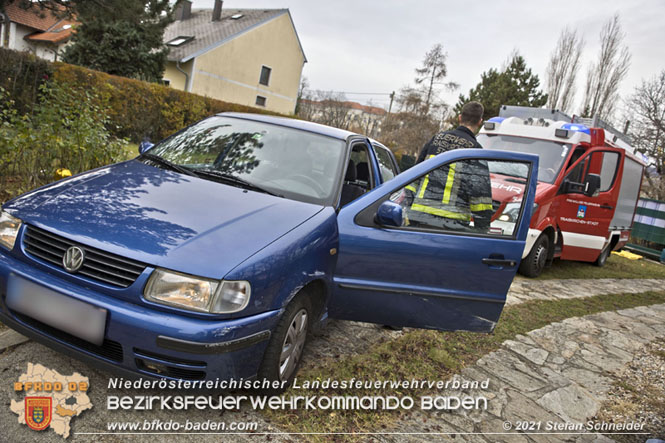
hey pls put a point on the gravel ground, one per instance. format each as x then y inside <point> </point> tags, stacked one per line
<point>640,395</point>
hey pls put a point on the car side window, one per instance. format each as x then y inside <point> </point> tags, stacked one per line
<point>608,169</point>
<point>386,165</point>
<point>358,178</point>
<point>470,196</point>
<point>603,163</point>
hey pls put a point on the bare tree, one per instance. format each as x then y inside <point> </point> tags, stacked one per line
<point>647,106</point>
<point>304,100</point>
<point>432,72</point>
<point>331,109</point>
<point>562,70</point>
<point>605,75</point>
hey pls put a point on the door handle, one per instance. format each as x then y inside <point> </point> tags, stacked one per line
<point>607,206</point>
<point>498,262</point>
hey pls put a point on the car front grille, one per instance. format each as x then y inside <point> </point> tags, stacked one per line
<point>97,265</point>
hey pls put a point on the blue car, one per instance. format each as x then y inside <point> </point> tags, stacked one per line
<point>214,253</point>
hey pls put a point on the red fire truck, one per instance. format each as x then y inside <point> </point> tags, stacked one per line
<point>589,180</point>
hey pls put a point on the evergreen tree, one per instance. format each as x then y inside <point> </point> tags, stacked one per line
<point>514,85</point>
<point>121,37</point>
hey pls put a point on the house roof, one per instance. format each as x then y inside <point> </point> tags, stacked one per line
<point>210,34</point>
<point>349,105</point>
<point>33,16</point>
<point>57,33</point>
<point>54,29</point>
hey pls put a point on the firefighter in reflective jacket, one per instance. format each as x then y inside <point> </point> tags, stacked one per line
<point>451,196</point>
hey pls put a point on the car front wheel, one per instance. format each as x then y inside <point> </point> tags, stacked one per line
<point>285,349</point>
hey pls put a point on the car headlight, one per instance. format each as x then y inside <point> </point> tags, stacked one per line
<point>9,227</point>
<point>197,294</point>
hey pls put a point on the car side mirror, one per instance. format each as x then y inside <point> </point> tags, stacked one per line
<point>144,146</point>
<point>389,214</point>
<point>591,185</point>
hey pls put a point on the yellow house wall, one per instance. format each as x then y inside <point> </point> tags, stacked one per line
<point>231,71</point>
<point>176,78</point>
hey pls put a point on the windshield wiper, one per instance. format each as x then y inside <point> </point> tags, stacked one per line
<point>228,178</point>
<point>164,162</point>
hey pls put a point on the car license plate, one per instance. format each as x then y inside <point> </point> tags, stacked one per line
<point>57,310</point>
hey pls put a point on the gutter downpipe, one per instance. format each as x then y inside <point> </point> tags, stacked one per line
<point>177,66</point>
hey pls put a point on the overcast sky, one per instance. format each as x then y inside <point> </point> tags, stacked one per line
<point>373,46</point>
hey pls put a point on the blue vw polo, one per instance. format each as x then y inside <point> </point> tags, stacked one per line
<point>212,254</point>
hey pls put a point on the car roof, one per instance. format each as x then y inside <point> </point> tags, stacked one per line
<point>293,123</point>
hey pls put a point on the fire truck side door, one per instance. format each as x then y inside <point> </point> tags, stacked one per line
<point>584,219</point>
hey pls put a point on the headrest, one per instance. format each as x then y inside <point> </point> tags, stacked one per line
<point>362,171</point>
<point>351,173</point>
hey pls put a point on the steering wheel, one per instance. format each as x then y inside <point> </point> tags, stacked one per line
<point>302,178</point>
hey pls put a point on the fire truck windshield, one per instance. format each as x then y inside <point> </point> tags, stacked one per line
<point>551,154</point>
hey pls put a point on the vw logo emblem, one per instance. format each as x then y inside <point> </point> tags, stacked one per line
<point>73,259</point>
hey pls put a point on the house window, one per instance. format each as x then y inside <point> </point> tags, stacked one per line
<point>260,100</point>
<point>180,40</point>
<point>265,75</point>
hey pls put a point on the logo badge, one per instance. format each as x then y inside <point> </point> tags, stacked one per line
<point>581,211</point>
<point>73,259</point>
<point>38,412</point>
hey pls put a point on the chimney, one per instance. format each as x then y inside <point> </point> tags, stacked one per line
<point>184,10</point>
<point>217,11</point>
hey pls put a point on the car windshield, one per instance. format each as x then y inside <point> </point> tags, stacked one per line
<point>288,162</point>
<point>550,154</point>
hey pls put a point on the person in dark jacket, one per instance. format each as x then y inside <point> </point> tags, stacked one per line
<point>451,196</point>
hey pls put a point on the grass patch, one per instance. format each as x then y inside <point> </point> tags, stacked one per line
<point>616,267</point>
<point>430,355</point>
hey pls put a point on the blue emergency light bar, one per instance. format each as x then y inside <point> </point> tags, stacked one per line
<point>576,127</point>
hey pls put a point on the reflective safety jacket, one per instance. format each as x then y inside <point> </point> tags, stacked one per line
<point>460,138</point>
<point>450,196</point>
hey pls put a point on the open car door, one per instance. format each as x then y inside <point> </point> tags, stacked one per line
<point>419,251</point>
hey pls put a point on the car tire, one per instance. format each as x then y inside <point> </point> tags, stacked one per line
<point>534,263</point>
<point>602,258</point>
<point>287,342</point>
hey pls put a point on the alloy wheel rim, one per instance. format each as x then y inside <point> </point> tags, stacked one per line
<point>293,345</point>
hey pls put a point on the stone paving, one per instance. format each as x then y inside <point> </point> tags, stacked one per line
<point>524,289</point>
<point>341,338</point>
<point>559,374</point>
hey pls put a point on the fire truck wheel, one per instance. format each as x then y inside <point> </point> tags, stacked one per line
<point>534,263</point>
<point>602,258</point>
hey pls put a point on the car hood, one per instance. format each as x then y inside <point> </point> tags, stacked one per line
<point>162,218</point>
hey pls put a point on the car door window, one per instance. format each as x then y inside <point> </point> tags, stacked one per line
<point>386,165</point>
<point>608,169</point>
<point>358,178</point>
<point>471,196</point>
<point>603,163</point>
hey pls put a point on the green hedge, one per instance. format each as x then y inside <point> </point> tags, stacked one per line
<point>136,109</point>
<point>21,74</point>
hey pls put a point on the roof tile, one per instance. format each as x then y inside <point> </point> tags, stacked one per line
<point>32,17</point>
<point>208,34</point>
